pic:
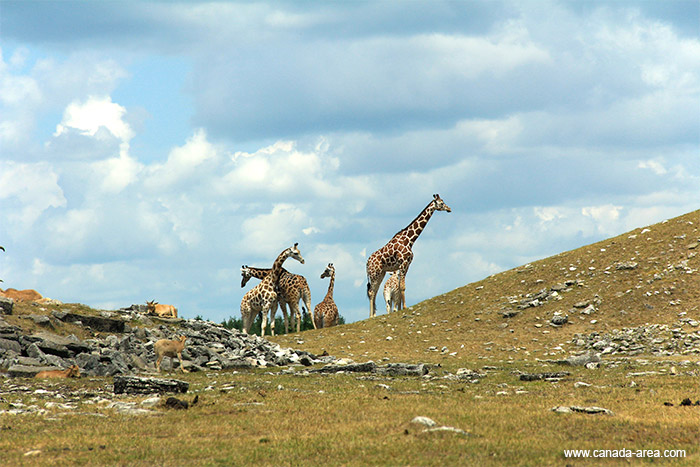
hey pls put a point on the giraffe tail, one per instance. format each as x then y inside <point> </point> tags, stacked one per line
<point>369,287</point>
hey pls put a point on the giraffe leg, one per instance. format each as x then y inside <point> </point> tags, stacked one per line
<point>273,311</point>
<point>372,288</point>
<point>283,306</point>
<point>306,297</point>
<point>295,314</point>
<point>264,321</point>
<point>402,282</point>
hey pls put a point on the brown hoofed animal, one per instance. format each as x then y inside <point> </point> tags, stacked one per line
<point>172,349</point>
<point>27,295</point>
<point>72,371</point>
<point>163,311</point>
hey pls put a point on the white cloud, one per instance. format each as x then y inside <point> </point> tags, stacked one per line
<point>27,191</point>
<point>185,162</point>
<point>117,173</point>
<point>95,113</point>
<point>265,234</point>
<point>655,166</point>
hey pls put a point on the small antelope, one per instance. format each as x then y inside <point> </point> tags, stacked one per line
<point>72,371</point>
<point>163,311</point>
<point>172,349</point>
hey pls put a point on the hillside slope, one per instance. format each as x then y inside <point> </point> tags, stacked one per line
<point>643,277</point>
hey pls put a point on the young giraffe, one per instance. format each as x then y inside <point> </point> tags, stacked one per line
<point>292,288</point>
<point>396,255</point>
<point>263,297</point>
<point>394,292</point>
<point>326,312</point>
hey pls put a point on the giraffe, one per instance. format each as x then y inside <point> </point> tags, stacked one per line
<point>263,297</point>
<point>291,289</point>
<point>394,292</point>
<point>396,255</point>
<point>326,312</point>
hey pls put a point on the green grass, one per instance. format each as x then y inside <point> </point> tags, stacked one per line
<point>280,419</point>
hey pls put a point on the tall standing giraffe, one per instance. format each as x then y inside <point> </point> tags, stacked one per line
<point>263,297</point>
<point>292,288</point>
<point>326,312</point>
<point>397,255</point>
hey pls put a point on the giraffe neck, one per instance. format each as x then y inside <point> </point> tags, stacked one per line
<point>415,228</point>
<point>329,294</point>
<point>258,273</point>
<point>277,269</point>
<point>261,273</point>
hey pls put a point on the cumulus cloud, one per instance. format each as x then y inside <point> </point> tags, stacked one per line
<point>545,126</point>
<point>27,191</point>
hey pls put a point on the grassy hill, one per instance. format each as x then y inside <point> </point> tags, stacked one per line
<point>497,329</point>
<point>648,275</point>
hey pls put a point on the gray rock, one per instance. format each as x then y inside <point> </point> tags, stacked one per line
<point>543,376</point>
<point>429,422</point>
<point>367,367</point>
<point>402,369</point>
<point>580,409</point>
<point>27,371</point>
<point>6,305</point>
<point>13,345</point>
<point>138,385</point>
<point>560,320</point>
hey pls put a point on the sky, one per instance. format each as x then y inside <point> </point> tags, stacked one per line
<point>149,149</point>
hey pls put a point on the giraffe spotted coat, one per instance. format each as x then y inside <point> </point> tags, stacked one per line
<point>397,255</point>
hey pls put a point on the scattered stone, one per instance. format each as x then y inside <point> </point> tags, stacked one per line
<point>367,367</point>
<point>429,422</point>
<point>151,401</point>
<point>402,369</point>
<point>626,266</point>
<point>129,408</point>
<point>543,376</point>
<point>6,305</point>
<point>560,320</point>
<point>655,339</point>
<point>449,429</point>
<point>578,360</point>
<point>391,369</point>
<point>138,385</point>
<point>579,409</point>
<point>432,426</point>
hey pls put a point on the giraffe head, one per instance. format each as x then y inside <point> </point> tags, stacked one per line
<point>245,275</point>
<point>330,270</point>
<point>295,253</point>
<point>440,204</point>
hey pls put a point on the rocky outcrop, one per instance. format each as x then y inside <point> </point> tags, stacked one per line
<point>655,339</point>
<point>127,349</point>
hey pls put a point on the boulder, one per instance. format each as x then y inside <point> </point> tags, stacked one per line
<point>6,305</point>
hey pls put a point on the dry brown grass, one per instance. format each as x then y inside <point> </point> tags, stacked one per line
<point>262,417</point>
